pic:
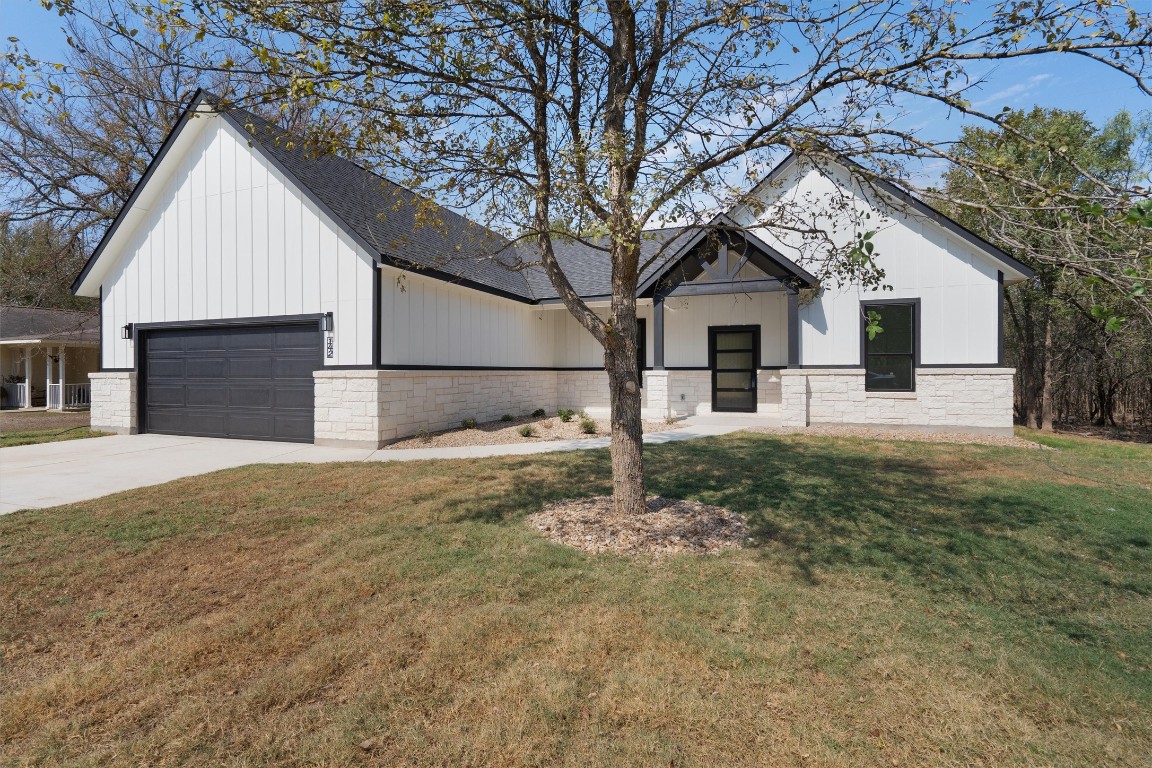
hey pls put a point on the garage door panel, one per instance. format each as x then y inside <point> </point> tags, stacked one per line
<point>160,395</point>
<point>209,340</point>
<point>261,340</point>
<point>303,338</point>
<point>295,429</point>
<point>251,368</point>
<point>165,369</point>
<point>234,381</point>
<point>208,395</point>
<point>293,367</point>
<point>300,399</point>
<point>206,368</point>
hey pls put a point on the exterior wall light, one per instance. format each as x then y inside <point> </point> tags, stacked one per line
<point>327,323</point>
<point>126,331</point>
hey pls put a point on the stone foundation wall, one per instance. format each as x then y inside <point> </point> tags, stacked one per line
<point>114,402</point>
<point>690,392</point>
<point>372,408</point>
<point>955,399</point>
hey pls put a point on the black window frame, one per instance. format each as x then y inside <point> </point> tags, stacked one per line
<point>915,354</point>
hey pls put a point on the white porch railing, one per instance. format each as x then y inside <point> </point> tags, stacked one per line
<point>73,396</point>
<point>17,395</point>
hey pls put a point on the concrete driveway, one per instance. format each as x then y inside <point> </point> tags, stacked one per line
<point>49,474</point>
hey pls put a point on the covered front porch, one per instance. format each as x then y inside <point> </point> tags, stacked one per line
<point>53,377</point>
<point>732,302</point>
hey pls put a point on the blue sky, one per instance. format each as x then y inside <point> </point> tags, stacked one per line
<point>1066,82</point>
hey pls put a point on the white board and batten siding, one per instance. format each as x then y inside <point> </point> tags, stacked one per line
<point>955,282</point>
<point>428,322</point>
<point>228,236</point>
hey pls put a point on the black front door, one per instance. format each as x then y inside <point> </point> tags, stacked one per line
<point>734,356</point>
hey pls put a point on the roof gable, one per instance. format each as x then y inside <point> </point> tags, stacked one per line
<point>910,203</point>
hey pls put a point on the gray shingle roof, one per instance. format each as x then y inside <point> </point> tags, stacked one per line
<point>385,216</point>
<point>589,267</point>
<point>397,223</point>
<point>38,323</point>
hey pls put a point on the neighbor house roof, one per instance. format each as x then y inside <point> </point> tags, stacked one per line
<point>34,325</point>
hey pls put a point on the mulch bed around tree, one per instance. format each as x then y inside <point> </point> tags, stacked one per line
<point>670,527</point>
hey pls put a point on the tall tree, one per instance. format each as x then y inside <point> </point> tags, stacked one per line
<point>77,134</point>
<point>613,115</point>
<point>1052,189</point>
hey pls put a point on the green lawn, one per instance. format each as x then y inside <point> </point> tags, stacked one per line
<point>905,604</point>
<point>34,436</point>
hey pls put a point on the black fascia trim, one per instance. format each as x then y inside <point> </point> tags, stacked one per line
<point>197,99</point>
<point>266,320</point>
<point>687,368</point>
<point>959,365</point>
<point>349,368</point>
<point>999,317</point>
<point>377,314</point>
<point>831,367</point>
<point>915,304</point>
<point>117,370</point>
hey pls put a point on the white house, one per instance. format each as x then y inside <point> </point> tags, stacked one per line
<point>251,290</point>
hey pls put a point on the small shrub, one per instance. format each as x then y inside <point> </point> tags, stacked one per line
<point>469,423</point>
<point>527,431</point>
<point>506,417</point>
<point>583,414</point>
<point>424,436</point>
<point>670,419</point>
<point>587,426</point>
<point>547,423</point>
<point>565,414</point>
<point>539,413</point>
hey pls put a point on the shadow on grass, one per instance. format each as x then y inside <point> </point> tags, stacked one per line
<point>825,505</point>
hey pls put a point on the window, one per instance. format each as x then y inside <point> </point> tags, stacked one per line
<point>890,356</point>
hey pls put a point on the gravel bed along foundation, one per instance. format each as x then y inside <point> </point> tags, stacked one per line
<point>872,433</point>
<point>508,432</point>
<point>670,527</point>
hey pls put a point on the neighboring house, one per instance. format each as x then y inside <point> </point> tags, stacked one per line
<point>251,290</point>
<point>46,356</point>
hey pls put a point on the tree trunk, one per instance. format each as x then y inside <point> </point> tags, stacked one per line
<point>620,362</point>
<point>628,492</point>
<point>1047,397</point>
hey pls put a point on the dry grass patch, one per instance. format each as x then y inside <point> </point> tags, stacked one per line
<point>894,612</point>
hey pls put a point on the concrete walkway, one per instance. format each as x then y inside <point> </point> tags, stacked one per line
<point>49,474</point>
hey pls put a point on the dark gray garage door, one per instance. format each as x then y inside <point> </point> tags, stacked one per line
<point>251,382</point>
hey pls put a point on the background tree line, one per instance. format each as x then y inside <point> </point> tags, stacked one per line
<point>1046,189</point>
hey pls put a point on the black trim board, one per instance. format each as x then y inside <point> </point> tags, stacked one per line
<point>999,318</point>
<point>316,317</point>
<point>377,315</point>
<point>100,332</point>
